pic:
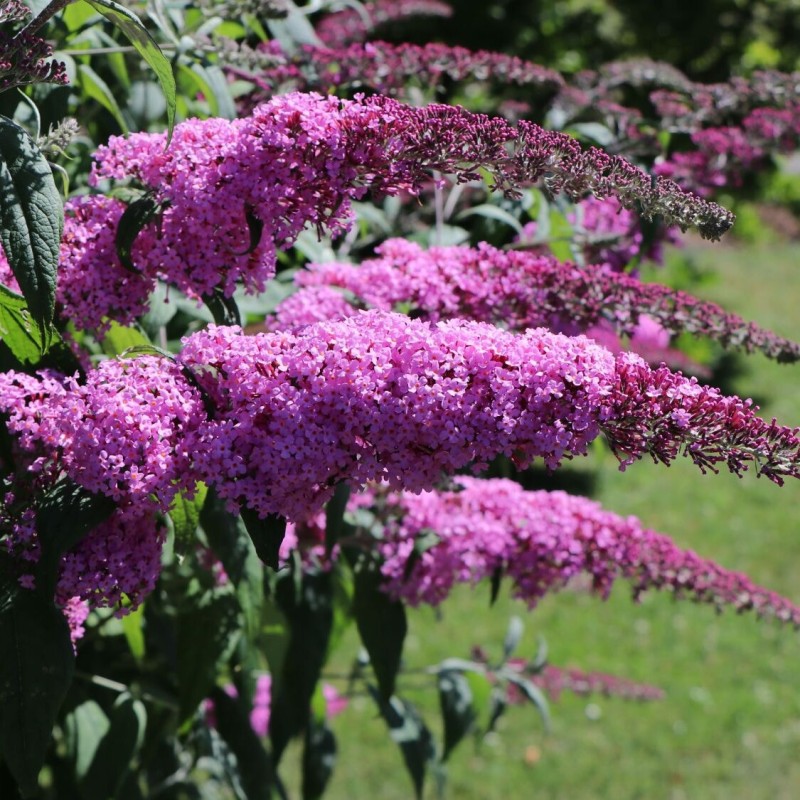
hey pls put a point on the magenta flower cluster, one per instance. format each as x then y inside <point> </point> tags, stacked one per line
<point>280,419</point>
<point>515,290</point>
<point>542,540</point>
<point>382,397</point>
<point>121,433</point>
<point>231,193</point>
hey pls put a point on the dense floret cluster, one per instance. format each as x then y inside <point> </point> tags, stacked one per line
<point>515,290</point>
<point>542,540</point>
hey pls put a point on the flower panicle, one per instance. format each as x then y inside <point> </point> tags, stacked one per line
<point>543,540</point>
<point>664,415</point>
<point>514,289</point>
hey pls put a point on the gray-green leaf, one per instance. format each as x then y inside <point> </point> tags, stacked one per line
<point>31,221</point>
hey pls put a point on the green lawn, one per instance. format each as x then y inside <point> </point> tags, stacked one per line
<point>730,726</point>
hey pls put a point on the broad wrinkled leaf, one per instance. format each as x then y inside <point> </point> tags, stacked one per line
<point>35,672</point>
<point>31,222</point>
<point>139,37</point>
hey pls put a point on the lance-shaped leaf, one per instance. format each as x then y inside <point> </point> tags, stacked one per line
<point>255,768</point>
<point>35,673</point>
<point>116,750</point>
<point>381,624</point>
<point>309,613</point>
<point>130,225</point>
<point>185,515</point>
<point>411,734</point>
<point>458,712</point>
<point>319,758</point>
<point>31,222</point>
<point>266,535</point>
<point>132,27</point>
<point>208,631</point>
<point>228,538</point>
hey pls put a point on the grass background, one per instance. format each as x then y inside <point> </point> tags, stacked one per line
<point>730,725</point>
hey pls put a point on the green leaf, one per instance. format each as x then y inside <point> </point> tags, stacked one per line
<point>489,211</point>
<point>130,225</point>
<point>21,340</point>
<point>410,733</point>
<point>319,758</point>
<point>335,525</point>
<point>458,712</point>
<point>132,628</point>
<point>494,584</point>
<point>535,695</point>
<point>266,535</point>
<point>35,672</point>
<point>16,329</point>
<point>84,728</point>
<point>116,750</point>
<point>208,631</point>
<point>255,767</point>
<point>132,27</point>
<point>31,222</point>
<point>120,339</point>
<point>95,87</point>
<point>210,80</point>
<point>185,516</point>
<point>223,309</point>
<point>513,636</point>
<point>308,612</point>
<point>229,540</point>
<point>381,624</point>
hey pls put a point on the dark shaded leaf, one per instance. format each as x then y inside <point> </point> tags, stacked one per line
<point>35,672</point>
<point>335,526</point>
<point>381,624</point>
<point>309,615</point>
<point>131,224</point>
<point>266,535</point>
<point>65,513</point>
<point>497,577</point>
<point>411,734</point>
<point>223,309</point>
<point>31,222</point>
<point>255,767</point>
<point>116,750</point>
<point>227,536</point>
<point>319,758</point>
<point>207,632</point>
